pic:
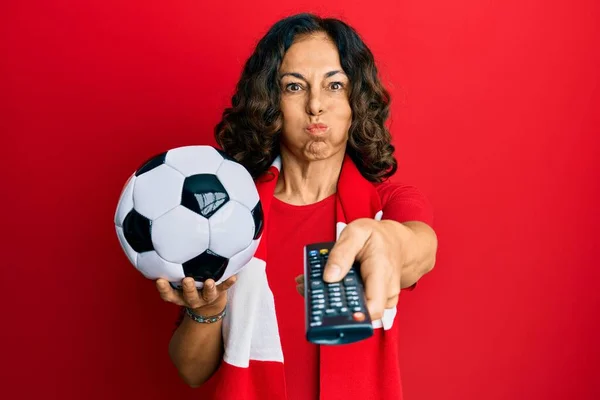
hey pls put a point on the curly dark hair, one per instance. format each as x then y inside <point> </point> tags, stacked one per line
<point>250,129</point>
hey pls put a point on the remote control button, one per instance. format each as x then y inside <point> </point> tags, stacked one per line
<point>316,323</point>
<point>323,251</point>
<point>349,280</point>
<point>356,309</point>
<point>358,316</point>
<point>344,309</point>
<point>316,284</point>
<point>317,291</point>
<point>334,285</point>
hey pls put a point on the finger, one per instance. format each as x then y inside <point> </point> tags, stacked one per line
<point>299,279</point>
<point>167,293</point>
<point>345,251</point>
<point>375,297</point>
<point>391,302</point>
<point>300,289</point>
<point>227,284</point>
<point>375,283</point>
<point>210,291</point>
<point>190,293</point>
<point>393,290</point>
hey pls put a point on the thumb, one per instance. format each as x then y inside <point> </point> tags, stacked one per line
<point>344,252</point>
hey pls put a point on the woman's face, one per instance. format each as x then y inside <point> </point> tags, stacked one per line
<point>314,99</point>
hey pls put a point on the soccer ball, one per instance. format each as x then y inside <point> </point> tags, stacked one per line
<point>191,211</point>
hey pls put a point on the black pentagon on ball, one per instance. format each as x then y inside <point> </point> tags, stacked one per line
<point>207,265</point>
<point>257,215</point>
<point>204,194</point>
<point>136,229</point>
<point>152,163</point>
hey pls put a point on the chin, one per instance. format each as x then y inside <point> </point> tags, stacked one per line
<point>317,157</point>
<point>318,150</point>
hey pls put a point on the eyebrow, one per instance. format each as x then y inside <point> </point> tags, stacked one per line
<point>299,76</point>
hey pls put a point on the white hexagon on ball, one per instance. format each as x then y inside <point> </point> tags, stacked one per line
<point>192,160</point>
<point>180,235</point>
<point>231,229</point>
<point>157,191</point>
<point>238,183</point>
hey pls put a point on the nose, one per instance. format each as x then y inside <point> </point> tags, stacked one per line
<point>314,104</point>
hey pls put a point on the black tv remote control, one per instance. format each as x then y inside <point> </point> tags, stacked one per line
<point>336,313</point>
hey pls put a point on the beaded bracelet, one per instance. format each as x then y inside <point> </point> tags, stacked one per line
<point>205,320</point>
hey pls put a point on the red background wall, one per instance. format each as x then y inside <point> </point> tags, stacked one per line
<point>496,117</point>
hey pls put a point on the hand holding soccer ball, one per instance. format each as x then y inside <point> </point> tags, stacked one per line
<point>209,300</point>
<point>189,212</point>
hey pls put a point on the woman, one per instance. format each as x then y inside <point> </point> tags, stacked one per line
<point>307,120</point>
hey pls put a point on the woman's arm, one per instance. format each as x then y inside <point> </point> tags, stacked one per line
<point>196,349</point>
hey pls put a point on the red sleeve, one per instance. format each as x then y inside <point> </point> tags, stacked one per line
<point>404,203</point>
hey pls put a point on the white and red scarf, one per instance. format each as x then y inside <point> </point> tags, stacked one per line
<point>252,365</point>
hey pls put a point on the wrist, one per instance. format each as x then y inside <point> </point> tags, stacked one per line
<point>211,309</point>
<point>205,319</point>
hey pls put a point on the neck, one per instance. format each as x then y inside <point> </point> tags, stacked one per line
<point>305,182</point>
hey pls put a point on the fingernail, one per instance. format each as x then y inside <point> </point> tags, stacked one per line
<point>333,272</point>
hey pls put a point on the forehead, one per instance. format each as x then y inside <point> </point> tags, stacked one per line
<point>316,51</point>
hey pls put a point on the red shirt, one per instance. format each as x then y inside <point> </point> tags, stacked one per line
<point>289,230</point>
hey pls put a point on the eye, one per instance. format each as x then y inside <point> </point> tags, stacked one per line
<point>293,87</point>
<point>336,86</point>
